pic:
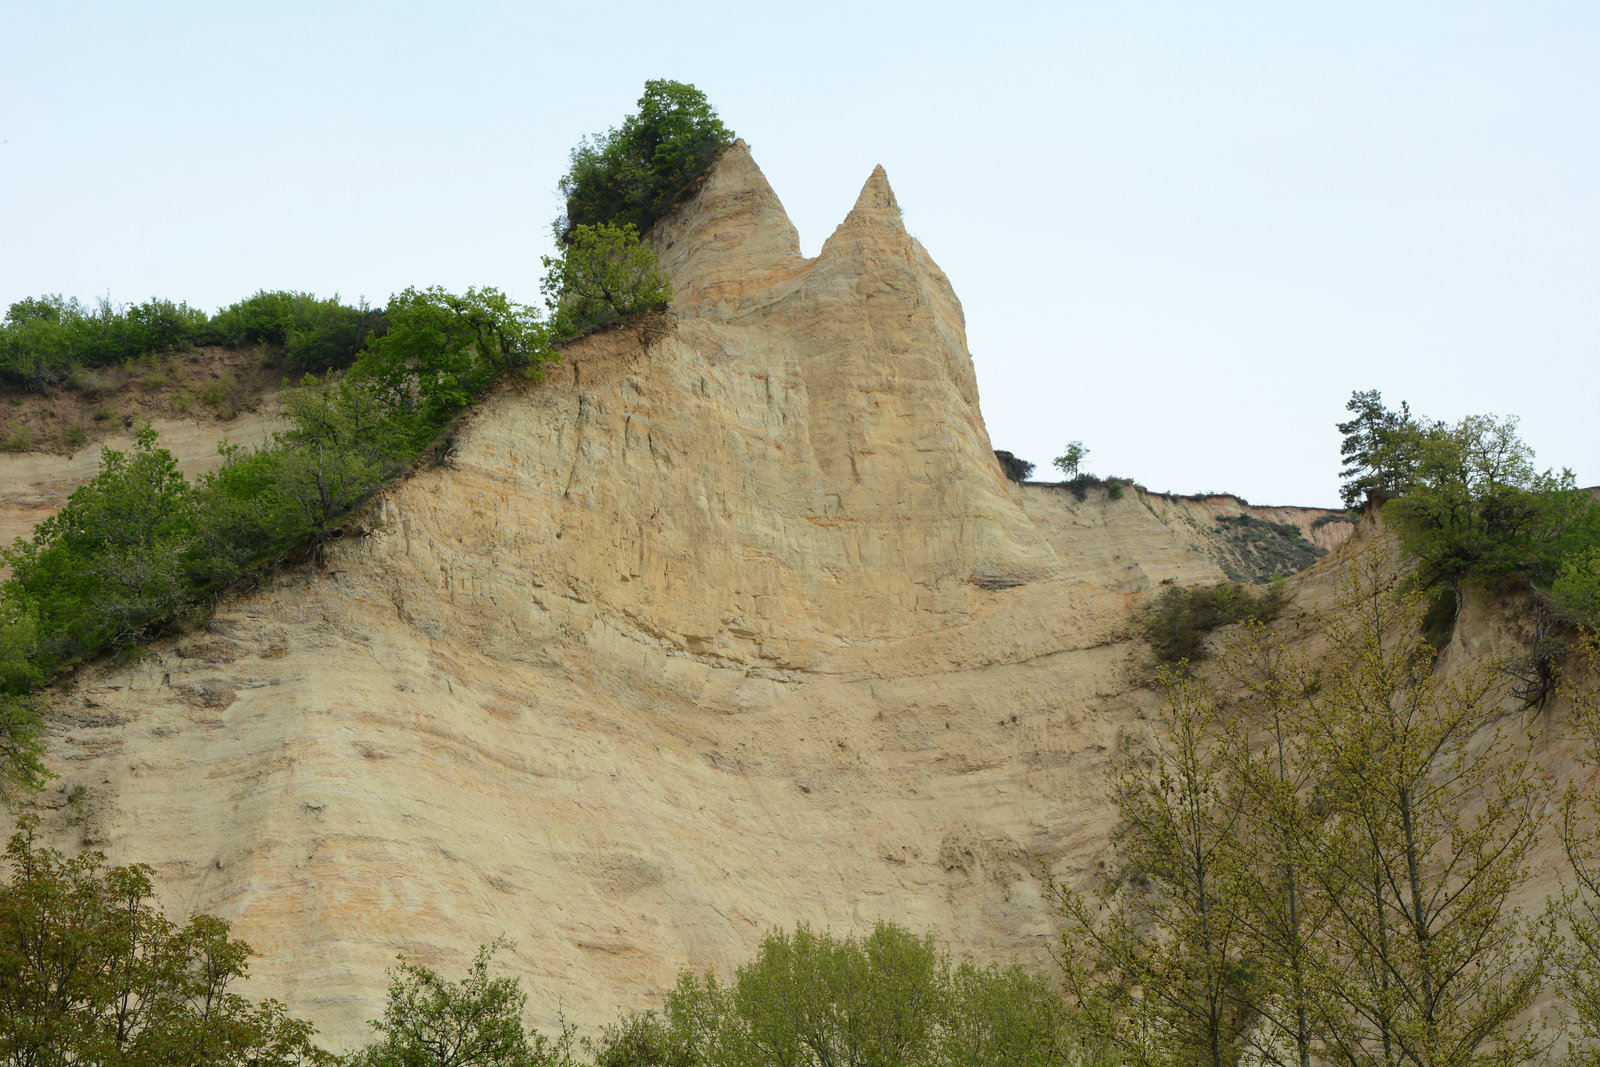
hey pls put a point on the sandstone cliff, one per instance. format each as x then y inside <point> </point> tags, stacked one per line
<point>732,622</point>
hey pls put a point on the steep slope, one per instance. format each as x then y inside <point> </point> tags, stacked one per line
<point>733,622</point>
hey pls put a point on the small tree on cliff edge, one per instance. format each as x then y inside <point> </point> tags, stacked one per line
<point>605,275</point>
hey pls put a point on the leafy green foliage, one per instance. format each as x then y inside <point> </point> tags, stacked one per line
<point>22,766</point>
<point>1158,967</point>
<point>1379,448</point>
<point>92,972</point>
<point>314,334</point>
<point>1476,507</point>
<point>442,349</point>
<point>1016,470</point>
<point>1331,877</point>
<point>630,174</point>
<point>1578,965</point>
<point>138,544</point>
<point>43,338</point>
<point>604,276</point>
<point>1175,624</point>
<point>112,559</point>
<point>474,1022</point>
<point>1071,460</point>
<point>1577,588</point>
<point>810,1000</point>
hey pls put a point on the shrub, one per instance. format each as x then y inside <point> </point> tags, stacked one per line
<point>94,973</point>
<point>887,998</point>
<point>430,1022</point>
<point>1175,624</point>
<point>630,174</point>
<point>315,334</point>
<point>42,339</point>
<point>112,559</point>
<point>17,439</point>
<point>440,350</point>
<point>605,275</point>
<point>1017,470</point>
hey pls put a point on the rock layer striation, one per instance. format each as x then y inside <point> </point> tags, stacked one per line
<point>732,622</point>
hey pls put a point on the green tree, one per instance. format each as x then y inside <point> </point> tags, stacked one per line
<point>1336,885</point>
<point>1577,587</point>
<point>889,999</point>
<point>630,174</point>
<point>1003,1017</point>
<point>22,766</point>
<point>1379,448</point>
<point>475,1022</point>
<point>111,561</point>
<point>813,999</point>
<point>605,275</point>
<point>343,443</point>
<point>441,349</point>
<point>1156,967</point>
<point>314,334</point>
<point>1426,961</point>
<point>1281,832</point>
<point>91,972</point>
<point>1578,965</point>
<point>1476,506</point>
<point>1070,461</point>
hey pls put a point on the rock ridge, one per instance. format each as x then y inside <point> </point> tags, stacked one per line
<point>739,629</point>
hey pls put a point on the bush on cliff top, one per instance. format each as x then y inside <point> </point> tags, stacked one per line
<point>631,173</point>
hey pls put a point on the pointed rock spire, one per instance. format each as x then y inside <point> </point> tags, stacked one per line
<point>731,230</point>
<point>876,199</point>
<point>875,211</point>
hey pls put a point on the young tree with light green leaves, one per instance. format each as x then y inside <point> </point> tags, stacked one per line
<point>1426,960</point>
<point>1578,964</point>
<point>1155,963</point>
<point>1359,849</point>
<point>809,999</point>
<point>604,275</point>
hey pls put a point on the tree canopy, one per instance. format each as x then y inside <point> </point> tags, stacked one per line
<point>1468,502</point>
<point>1331,879</point>
<point>92,972</point>
<point>631,173</point>
<point>604,275</point>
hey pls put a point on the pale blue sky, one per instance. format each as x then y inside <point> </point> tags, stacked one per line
<point>1182,232</point>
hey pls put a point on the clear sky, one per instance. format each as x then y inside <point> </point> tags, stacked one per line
<point>1182,232</point>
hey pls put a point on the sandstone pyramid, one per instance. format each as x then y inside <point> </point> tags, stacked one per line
<point>730,623</point>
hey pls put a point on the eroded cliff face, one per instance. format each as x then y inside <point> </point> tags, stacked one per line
<point>733,622</point>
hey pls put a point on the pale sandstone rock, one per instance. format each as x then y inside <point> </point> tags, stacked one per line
<point>729,624</point>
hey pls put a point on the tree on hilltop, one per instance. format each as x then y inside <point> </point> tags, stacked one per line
<point>631,173</point>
